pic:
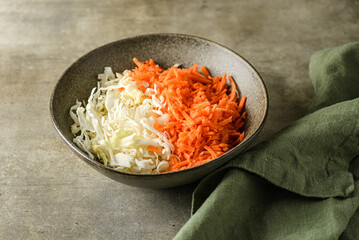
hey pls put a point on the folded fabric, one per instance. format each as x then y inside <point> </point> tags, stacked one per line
<point>303,183</point>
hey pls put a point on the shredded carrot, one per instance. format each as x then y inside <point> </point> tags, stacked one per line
<point>205,120</point>
<point>210,150</point>
<point>136,62</point>
<point>241,103</point>
<point>180,164</point>
<point>153,149</point>
<point>205,71</point>
<point>173,160</point>
<point>233,86</point>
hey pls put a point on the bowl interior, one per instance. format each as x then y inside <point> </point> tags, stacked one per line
<point>166,50</point>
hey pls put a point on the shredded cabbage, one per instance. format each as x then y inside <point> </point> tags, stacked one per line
<point>117,126</point>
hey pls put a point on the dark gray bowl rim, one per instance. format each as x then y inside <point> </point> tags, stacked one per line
<point>101,165</point>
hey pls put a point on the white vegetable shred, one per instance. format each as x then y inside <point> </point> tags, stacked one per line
<point>117,125</point>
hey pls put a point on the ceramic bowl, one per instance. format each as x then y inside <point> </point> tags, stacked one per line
<point>166,49</point>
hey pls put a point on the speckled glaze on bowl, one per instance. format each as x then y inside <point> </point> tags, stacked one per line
<point>166,50</point>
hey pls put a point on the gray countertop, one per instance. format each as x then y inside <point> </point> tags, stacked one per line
<point>46,192</point>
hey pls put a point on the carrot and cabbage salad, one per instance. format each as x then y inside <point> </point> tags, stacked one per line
<point>152,120</point>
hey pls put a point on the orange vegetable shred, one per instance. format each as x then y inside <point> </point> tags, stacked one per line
<point>206,118</point>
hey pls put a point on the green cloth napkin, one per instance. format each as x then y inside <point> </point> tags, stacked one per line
<point>303,183</point>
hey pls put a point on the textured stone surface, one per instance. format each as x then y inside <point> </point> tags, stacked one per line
<point>45,191</point>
